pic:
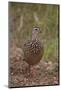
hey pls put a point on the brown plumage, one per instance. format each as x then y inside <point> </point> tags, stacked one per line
<point>33,49</point>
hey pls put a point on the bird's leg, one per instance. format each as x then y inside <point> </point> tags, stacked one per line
<point>29,74</point>
<point>31,71</point>
<point>29,68</point>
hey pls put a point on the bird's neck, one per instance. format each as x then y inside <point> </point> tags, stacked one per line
<point>34,36</point>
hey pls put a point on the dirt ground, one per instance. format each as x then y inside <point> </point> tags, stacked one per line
<point>44,73</point>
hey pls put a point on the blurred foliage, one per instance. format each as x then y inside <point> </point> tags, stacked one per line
<point>47,16</point>
<point>51,50</point>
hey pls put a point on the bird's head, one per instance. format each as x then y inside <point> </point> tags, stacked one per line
<point>35,32</point>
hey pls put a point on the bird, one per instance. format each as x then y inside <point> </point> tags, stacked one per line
<point>33,49</point>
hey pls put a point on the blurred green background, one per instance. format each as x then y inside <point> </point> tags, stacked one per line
<point>23,17</point>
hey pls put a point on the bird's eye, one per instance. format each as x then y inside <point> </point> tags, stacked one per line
<point>36,29</point>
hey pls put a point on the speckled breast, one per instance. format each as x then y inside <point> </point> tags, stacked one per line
<point>33,51</point>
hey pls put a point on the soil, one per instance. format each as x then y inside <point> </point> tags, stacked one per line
<point>20,74</point>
